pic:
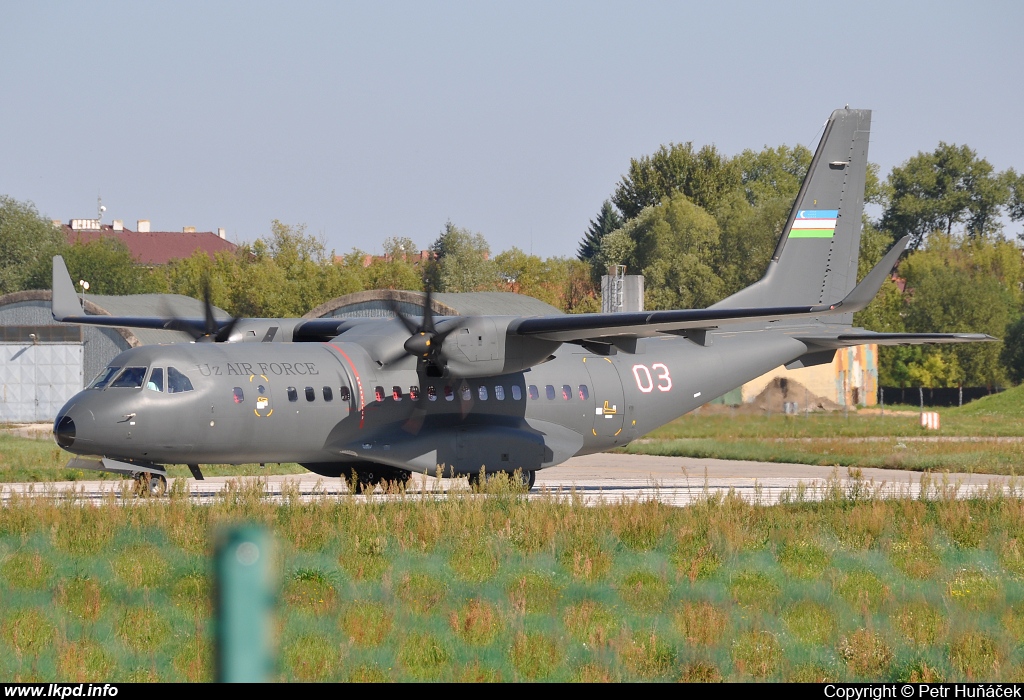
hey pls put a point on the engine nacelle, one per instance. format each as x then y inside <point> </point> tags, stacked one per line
<point>483,347</point>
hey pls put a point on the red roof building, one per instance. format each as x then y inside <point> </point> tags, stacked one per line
<point>149,247</point>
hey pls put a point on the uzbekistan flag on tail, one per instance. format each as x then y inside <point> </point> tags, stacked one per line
<point>814,223</point>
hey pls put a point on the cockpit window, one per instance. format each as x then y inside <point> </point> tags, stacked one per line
<point>177,382</point>
<point>156,379</point>
<point>130,378</point>
<point>104,377</point>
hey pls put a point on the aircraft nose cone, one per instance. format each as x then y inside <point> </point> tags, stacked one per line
<point>64,432</point>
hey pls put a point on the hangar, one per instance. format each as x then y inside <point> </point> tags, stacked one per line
<point>44,363</point>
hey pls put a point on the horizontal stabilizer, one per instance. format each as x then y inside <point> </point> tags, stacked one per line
<point>845,340</point>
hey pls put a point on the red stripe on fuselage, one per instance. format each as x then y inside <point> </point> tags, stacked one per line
<point>359,383</point>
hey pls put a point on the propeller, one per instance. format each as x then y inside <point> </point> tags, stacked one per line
<point>210,330</point>
<point>425,341</point>
<point>426,344</point>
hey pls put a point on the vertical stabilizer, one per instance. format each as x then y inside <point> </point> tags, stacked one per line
<point>815,261</point>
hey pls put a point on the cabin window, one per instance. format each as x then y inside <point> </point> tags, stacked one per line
<point>130,378</point>
<point>414,393</point>
<point>566,392</point>
<point>104,377</point>
<point>156,379</point>
<point>482,392</point>
<point>396,393</point>
<point>177,382</point>
<point>499,392</point>
<point>517,393</point>
<point>237,394</point>
<point>378,393</point>
<point>328,394</point>
<point>584,392</point>
<point>549,391</point>
<point>293,395</point>
<point>449,395</point>
<point>534,394</point>
<point>432,393</point>
<point>466,395</point>
<point>310,394</point>
<point>344,394</point>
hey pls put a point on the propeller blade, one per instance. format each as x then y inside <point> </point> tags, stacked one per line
<point>428,312</point>
<point>224,334</point>
<point>208,330</point>
<point>185,326</point>
<point>211,322</point>
<point>409,324</point>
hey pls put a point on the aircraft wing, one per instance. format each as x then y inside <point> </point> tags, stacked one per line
<point>595,327</point>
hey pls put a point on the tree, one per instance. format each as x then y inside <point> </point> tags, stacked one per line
<point>107,265</point>
<point>704,177</point>
<point>608,220</point>
<point>1012,354</point>
<point>773,172</point>
<point>1016,206</point>
<point>462,261</point>
<point>27,243</point>
<point>941,190</point>
<point>748,236</point>
<point>676,244</point>
<point>284,274</point>
<point>397,269</point>
<point>953,287</point>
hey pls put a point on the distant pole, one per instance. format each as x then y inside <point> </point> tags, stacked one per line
<point>244,605</point>
<point>960,401</point>
<point>881,398</point>
<point>920,393</point>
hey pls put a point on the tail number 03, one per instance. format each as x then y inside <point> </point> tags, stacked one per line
<point>645,380</point>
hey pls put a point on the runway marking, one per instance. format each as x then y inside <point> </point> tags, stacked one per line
<point>675,491</point>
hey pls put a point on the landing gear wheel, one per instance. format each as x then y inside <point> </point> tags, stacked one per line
<point>526,479</point>
<point>366,481</point>
<point>518,478</point>
<point>398,481</point>
<point>147,484</point>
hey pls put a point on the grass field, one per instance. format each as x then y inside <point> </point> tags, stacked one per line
<point>985,436</point>
<point>39,459</point>
<point>500,588</point>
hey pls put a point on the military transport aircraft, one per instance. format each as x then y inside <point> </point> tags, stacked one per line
<point>382,398</point>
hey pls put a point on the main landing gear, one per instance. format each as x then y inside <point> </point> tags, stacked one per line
<point>519,478</point>
<point>148,484</point>
<point>366,479</point>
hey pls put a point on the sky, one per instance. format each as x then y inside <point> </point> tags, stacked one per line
<point>516,120</point>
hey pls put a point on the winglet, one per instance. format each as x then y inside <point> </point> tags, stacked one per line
<point>861,295</point>
<point>65,302</point>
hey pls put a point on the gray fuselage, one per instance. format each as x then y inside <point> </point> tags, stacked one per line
<point>326,405</point>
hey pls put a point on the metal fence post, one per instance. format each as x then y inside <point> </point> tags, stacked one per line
<point>244,605</point>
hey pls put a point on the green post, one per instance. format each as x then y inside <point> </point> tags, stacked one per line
<point>244,602</point>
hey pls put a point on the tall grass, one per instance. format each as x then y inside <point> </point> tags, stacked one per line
<point>499,587</point>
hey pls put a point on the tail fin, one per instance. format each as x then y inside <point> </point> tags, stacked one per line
<point>815,261</point>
